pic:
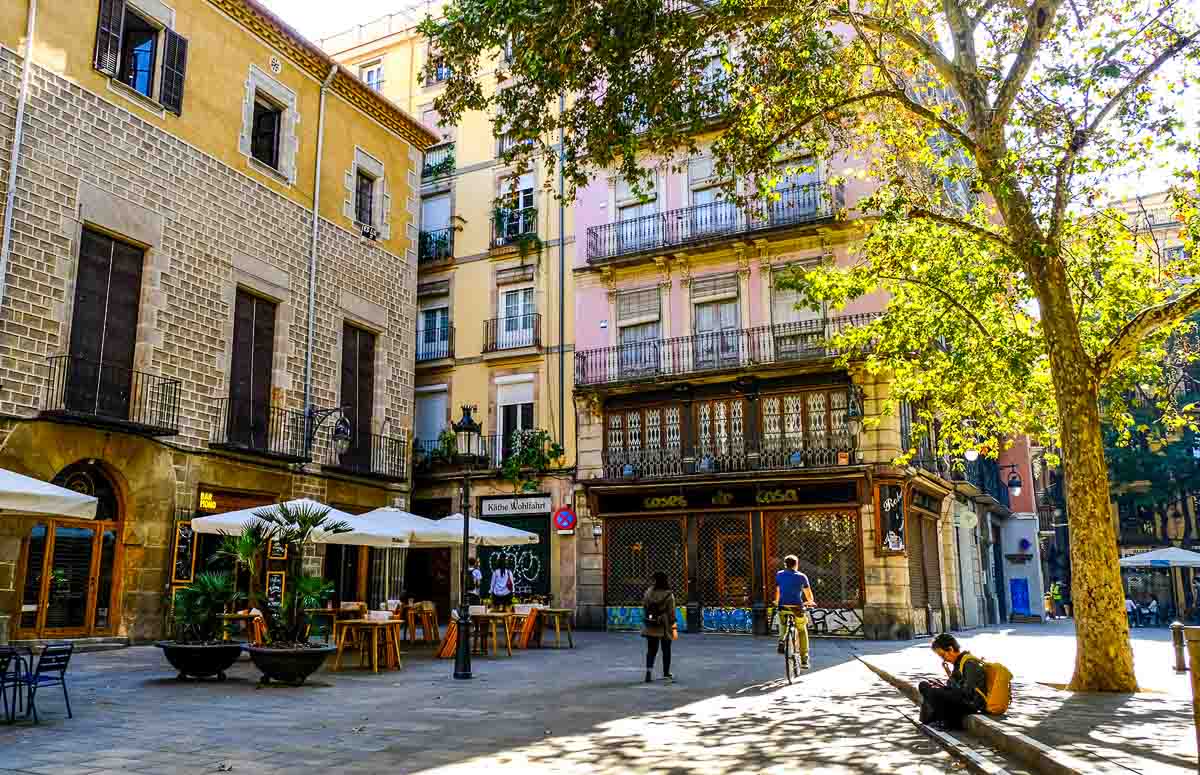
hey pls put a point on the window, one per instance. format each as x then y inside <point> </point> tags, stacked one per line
<point>518,317</point>
<point>797,330</point>
<point>431,416</point>
<point>99,374</point>
<point>372,76</point>
<point>516,412</point>
<point>433,334</point>
<point>715,300</point>
<point>516,215</point>
<point>799,196</point>
<point>358,393</point>
<point>1176,253</point>
<point>635,210</point>
<point>439,69</point>
<point>364,198</point>
<point>437,237</point>
<point>264,139</point>
<point>710,213</point>
<point>140,51</point>
<point>139,46</point>
<point>250,371</point>
<point>435,212</point>
<point>638,332</point>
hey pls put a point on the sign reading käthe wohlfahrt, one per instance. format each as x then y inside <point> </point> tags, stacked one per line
<point>506,507</point>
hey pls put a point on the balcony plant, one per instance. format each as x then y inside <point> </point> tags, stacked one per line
<point>287,655</point>
<point>531,453</point>
<point>198,649</point>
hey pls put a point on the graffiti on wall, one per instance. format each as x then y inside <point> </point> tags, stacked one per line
<point>630,617</point>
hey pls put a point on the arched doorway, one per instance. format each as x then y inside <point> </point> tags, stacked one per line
<point>68,585</point>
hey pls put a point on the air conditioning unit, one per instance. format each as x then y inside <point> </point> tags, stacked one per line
<point>370,232</point>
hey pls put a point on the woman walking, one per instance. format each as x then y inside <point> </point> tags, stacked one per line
<point>502,585</point>
<point>658,625</point>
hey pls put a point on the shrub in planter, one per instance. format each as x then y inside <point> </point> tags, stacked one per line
<point>197,649</point>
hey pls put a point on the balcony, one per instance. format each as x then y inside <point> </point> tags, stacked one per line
<point>435,246</point>
<point>433,344</point>
<point>513,227</point>
<point>768,452</point>
<point>512,333</point>
<point>434,456</point>
<point>374,455</point>
<point>260,429</point>
<point>111,395</point>
<point>984,475</point>
<point>713,352</point>
<point>439,161</point>
<point>798,206</point>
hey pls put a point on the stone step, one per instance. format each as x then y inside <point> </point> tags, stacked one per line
<point>81,644</point>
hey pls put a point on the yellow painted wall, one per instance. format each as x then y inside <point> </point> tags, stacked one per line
<point>220,52</point>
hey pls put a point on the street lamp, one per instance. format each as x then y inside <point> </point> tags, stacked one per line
<point>971,455</point>
<point>1014,481</point>
<point>466,435</point>
<point>854,418</point>
<point>342,432</point>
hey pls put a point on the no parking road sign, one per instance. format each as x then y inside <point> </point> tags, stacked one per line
<point>564,518</point>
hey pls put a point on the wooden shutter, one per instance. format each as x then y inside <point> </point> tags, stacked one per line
<point>109,25</point>
<point>174,69</point>
<point>358,388</point>
<point>264,350</point>
<point>250,369</point>
<point>933,566</point>
<point>916,560</point>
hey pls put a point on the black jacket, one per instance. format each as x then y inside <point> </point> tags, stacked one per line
<point>970,679</point>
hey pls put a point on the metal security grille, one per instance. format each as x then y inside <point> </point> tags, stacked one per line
<point>828,545</point>
<point>725,564</point>
<point>635,549</point>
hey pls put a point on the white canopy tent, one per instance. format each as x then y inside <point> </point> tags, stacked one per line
<point>25,495</point>
<point>231,522</point>
<point>1171,557</point>
<point>484,533</point>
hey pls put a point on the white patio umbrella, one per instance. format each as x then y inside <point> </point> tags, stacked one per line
<point>484,533</point>
<point>398,528</point>
<point>1171,557</point>
<point>231,522</point>
<point>25,495</point>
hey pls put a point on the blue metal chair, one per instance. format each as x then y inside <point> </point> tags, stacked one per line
<point>51,670</point>
<point>10,662</point>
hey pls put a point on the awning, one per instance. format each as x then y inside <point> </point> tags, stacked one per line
<point>484,533</point>
<point>398,528</point>
<point>232,522</point>
<point>26,495</point>
<point>1171,557</point>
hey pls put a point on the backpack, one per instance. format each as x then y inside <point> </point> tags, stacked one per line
<point>998,696</point>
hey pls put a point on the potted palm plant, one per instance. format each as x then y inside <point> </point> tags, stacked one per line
<point>287,655</point>
<point>198,649</point>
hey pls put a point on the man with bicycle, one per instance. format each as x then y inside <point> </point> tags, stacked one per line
<point>793,594</point>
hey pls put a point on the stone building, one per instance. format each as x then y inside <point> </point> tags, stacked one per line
<point>495,325</point>
<point>210,259</point>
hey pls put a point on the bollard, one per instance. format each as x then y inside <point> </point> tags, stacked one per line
<point>1192,635</point>
<point>1177,642</point>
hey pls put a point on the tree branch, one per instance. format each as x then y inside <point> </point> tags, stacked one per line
<point>1143,75</point>
<point>978,231</point>
<point>808,119</point>
<point>1125,344</point>
<point>931,53</point>
<point>1040,22</point>
<point>945,295</point>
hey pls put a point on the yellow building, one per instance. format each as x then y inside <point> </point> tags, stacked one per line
<point>209,259</point>
<point>495,323</point>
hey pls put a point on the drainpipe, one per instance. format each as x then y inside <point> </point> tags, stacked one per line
<point>312,250</point>
<point>14,155</point>
<point>562,276</point>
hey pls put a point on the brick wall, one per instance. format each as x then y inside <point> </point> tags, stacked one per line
<point>78,149</point>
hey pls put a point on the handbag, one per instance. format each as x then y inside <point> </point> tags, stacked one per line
<point>674,632</point>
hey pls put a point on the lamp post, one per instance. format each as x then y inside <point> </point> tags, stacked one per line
<point>466,434</point>
<point>1014,481</point>
<point>854,417</point>
<point>314,418</point>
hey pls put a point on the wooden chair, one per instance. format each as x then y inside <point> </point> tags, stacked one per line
<point>430,632</point>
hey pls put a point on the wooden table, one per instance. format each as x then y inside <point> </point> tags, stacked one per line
<point>490,620</point>
<point>560,616</point>
<point>391,639</point>
<point>331,613</point>
<point>248,619</point>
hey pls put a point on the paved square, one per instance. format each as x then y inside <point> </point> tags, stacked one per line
<point>581,710</point>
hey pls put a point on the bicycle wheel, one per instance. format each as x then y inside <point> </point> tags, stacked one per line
<point>789,652</point>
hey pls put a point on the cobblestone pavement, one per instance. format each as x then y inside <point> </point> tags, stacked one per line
<point>582,710</point>
<point>1151,731</point>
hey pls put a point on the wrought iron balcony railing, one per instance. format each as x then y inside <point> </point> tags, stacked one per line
<point>513,332</point>
<point>252,426</point>
<point>111,394</point>
<point>717,351</point>
<point>510,227</point>
<point>435,245</point>
<point>767,452</point>
<point>373,455</point>
<point>810,203</point>
<point>439,161</point>
<point>435,343</point>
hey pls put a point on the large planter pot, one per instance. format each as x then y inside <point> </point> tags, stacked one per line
<point>290,666</point>
<point>200,660</point>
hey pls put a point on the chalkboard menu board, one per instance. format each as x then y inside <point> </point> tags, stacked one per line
<point>891,517</point>
<point>185,553</point>
<point>275,585</point>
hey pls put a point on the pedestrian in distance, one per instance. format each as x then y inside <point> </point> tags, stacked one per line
<point>475,578</point>
<point>948,702</point>
<point>1152,611</point>
<point>658,625</point>
<point>1130,611</point>
<point>502,586</point>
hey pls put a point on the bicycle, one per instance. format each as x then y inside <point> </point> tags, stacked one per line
<point>791,637</point>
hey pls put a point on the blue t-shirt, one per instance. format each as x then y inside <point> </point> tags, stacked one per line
<point>792,584</point>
